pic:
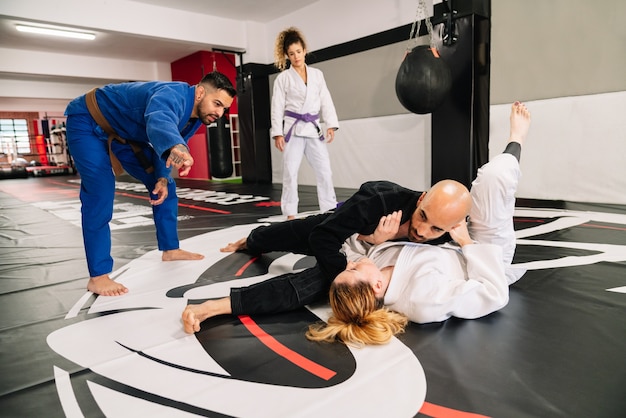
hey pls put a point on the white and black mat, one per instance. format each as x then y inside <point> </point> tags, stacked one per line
<point>556,350</point>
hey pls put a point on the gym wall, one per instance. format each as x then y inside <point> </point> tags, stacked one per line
<point>378,138</point>
<point>564,58</point>
<point>363,84</point>
<point>559,48</point>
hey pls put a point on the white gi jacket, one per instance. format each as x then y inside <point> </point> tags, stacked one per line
<point>432,283</point>
<point>290,93</point>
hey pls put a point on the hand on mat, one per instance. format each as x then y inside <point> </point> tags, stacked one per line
<point>191,323</point>
<point>180,159</point>
<point>160,190</point>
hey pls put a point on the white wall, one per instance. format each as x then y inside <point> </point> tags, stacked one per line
<point>542,52</point>
<point>394,148</point>
<point>131,17</point>
<point>325,23</point>
<point>38,74</point>
<point>576,148</point>
<point>330,22</point>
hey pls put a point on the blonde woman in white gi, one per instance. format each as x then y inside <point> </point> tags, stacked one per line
<point>300,103</point>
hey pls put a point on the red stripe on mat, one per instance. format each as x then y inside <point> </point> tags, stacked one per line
<point>223,212</point>
<point>245,266</point>
<point>436,411</point>
<point>604,227</point>
<point>285,352</point>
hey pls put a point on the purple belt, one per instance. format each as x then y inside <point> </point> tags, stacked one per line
<point>306,117</point>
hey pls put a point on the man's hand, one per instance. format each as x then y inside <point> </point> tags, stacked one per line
<point>387,229</point>
<point>160,189</point>
<point>460,234</point>
<point>180,159</point>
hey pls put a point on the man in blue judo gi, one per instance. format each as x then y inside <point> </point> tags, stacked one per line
<point>143,128</point>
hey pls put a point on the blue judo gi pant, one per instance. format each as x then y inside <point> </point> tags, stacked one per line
<point>89,149</point>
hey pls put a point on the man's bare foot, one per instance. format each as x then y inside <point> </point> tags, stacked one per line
<point>175,255</point>
<point>291,217</point>
<point>520,122</point>
<point>235,246</point>
<point>193,315</point>
<point>104,286</point>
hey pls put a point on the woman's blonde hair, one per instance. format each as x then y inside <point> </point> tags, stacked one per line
<point>284,40</point>
<point>359,318</point>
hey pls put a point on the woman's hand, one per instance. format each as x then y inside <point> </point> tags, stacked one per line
<point>279,142</point>
<point>460,234</point>
<point>330,135</point>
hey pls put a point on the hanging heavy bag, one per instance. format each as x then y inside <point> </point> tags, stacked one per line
<point>220,149</point>
<point>423,80</point>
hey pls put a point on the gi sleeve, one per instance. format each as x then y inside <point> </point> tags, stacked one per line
<point>164,111</point>
<point>485,291</point>
<point>359,214</point>
<point>279,98</point>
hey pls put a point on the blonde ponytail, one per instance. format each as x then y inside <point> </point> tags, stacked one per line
<point>358,319</point>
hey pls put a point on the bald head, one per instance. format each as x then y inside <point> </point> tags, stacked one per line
<point>450,198</point>
<point>444,206</point>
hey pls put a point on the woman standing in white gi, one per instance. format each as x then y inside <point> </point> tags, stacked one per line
<point>300,101</point>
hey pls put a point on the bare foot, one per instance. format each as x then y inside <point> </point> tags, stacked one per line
<point>104,286</point>
<point>520,122</point>
<point>291,217</point>
<point>175,255</point>
<point>193,315</point>
<point>235,246</point>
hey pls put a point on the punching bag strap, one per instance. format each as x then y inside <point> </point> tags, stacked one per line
<point>96,114</point>
<point>417,23</point>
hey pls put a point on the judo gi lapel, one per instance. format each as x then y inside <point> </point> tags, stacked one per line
<point>302,88</point>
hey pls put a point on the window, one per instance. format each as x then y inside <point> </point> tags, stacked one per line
<point>14,137</point>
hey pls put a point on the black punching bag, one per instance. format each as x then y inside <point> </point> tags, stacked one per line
<point>220,149</point>
<point>423,80</point>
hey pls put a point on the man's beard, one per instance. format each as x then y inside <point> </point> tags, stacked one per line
<point>413,235</point>
<point>208,119</point>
